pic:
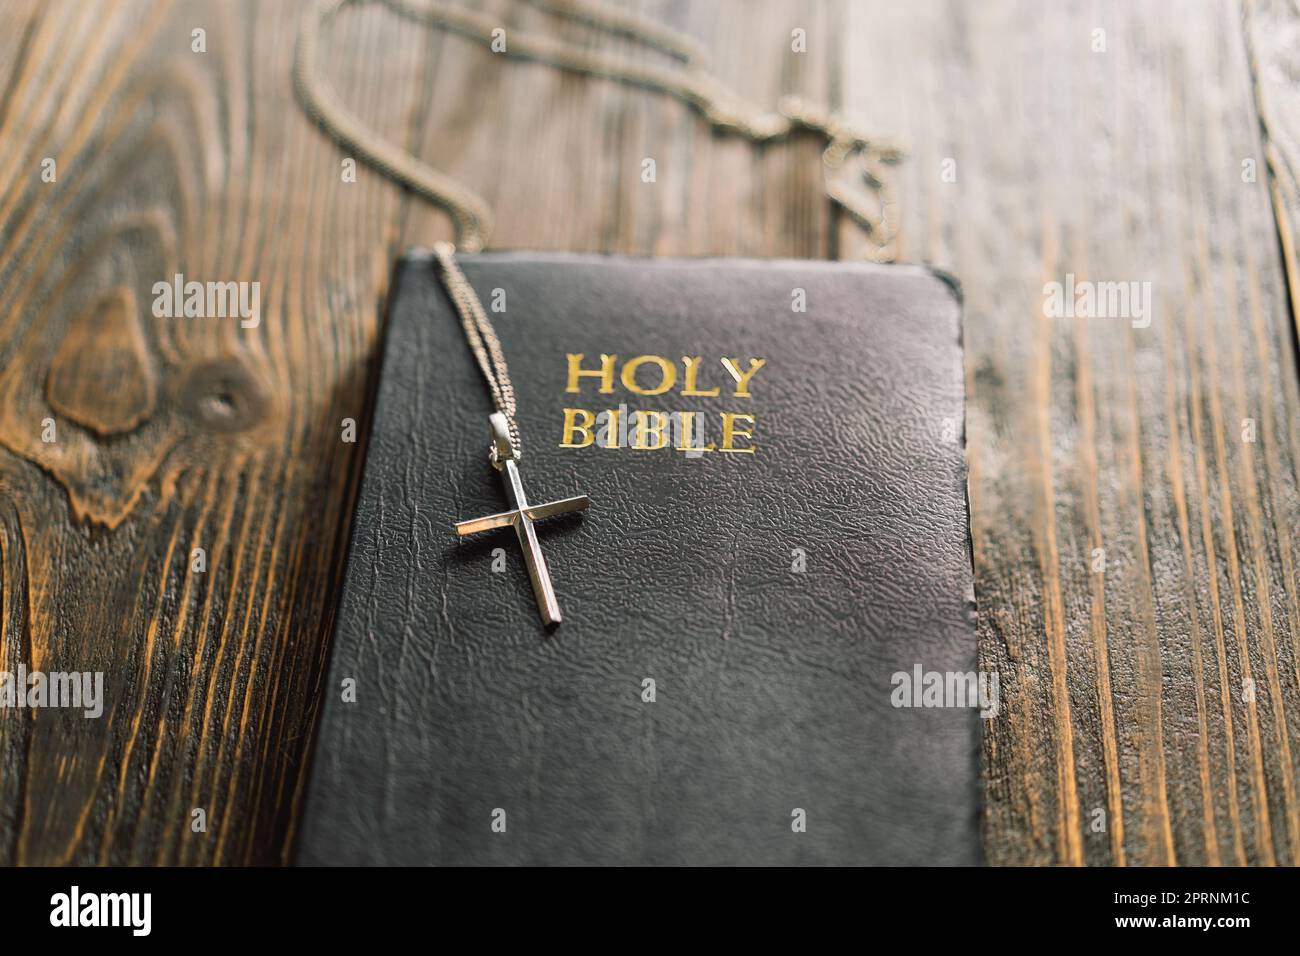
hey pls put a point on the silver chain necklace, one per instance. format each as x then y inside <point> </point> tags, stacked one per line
<point>505,451</point>
<point>689,82</point>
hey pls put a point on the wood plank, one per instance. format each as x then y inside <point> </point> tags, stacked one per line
<point>1124,691</point>
<point>713,195</point>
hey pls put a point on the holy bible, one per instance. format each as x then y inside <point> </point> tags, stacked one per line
<point>767,653</point>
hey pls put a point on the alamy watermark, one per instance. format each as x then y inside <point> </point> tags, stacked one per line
<point>133,911</point>
<point>921,688</point>
<point>208,300</point>
<point>1098,300</point>
<point>76,690</point>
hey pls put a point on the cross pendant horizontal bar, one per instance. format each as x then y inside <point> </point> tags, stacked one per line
<point>521,518</point>
<point>532,512</point>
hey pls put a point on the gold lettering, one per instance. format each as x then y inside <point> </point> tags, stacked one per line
<point>666,368</point>
<point>742,378</point>
<point>643,430</point>
<point>606,373</point>
<point>686,438</point>
<point>608,434</point>
<point>571,425</point>
<point>730,432</point>
<point>692,366</point>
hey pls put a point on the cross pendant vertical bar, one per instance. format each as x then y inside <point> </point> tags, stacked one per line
<point>521,516</point>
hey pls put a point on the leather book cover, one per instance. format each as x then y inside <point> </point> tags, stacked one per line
<point>768,649</point>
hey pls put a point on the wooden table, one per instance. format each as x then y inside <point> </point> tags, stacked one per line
<point>1135,513</point>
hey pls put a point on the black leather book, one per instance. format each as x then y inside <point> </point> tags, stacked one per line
<point>768,649</point>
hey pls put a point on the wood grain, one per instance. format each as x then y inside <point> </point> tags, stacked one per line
<point>175,434</point>
<point>1124,691</point>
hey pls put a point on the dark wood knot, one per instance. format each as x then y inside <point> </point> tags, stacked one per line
<point>224,396</point>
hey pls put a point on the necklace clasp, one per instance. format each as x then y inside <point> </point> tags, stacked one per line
<point>503,448</point>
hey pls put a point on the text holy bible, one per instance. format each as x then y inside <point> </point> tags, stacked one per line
<point>767,653</point>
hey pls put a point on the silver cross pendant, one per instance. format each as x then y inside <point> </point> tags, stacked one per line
<point>521,517</point>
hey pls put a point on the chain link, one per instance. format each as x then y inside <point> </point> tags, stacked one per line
<point>483,341</point>
<point>689,82</point>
